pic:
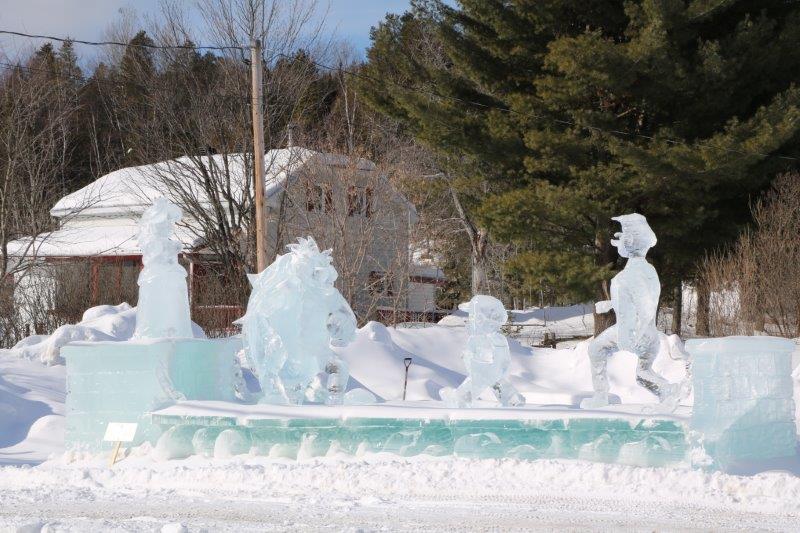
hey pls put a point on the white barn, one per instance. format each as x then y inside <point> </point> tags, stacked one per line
<point>344,203</point>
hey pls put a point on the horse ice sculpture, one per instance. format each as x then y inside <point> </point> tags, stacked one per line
<point>634,299</point>
<point>163,310</point>
<point>486,357</point>
<point>293,316</point>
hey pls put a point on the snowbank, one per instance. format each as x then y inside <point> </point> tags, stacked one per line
<point>376,492</point>
<point>31,410</point>
<point>544,376</point>
<point>101,323</point>
<point>563,322</point>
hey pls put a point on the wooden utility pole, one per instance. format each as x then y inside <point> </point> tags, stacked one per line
<point>258,153</point>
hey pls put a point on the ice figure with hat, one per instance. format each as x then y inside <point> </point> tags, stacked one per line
<point>634,298</point>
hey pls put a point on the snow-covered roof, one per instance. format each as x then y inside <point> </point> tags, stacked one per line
<point>90,241</point>
<point>131,189</point>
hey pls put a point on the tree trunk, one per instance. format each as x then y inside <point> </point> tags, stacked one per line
<point>677,308</point>
<point>605,255</point>
<point>603,321</point>
<point>480,277</point>
<point>702,326</point>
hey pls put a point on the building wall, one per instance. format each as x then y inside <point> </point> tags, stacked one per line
<point>370,246</point>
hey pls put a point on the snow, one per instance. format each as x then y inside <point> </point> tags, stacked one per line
<point>31,410</point>
<point>101,323</point>
<point>543,376</point>
<point>132,189</point>
<point>92,241</point>
<point>563,322</point>
<point>380,492</point>
<point>75,493</point>
<point>244,414</point>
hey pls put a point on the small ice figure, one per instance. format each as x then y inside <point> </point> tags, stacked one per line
<point>486,357</point>
<point>163,309</point>
<point>294,316</point>
<point>634,299</point>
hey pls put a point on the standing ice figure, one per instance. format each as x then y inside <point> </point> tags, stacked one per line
<point>163,309</point>
<point>634,299</point>
<point>294,316</point>
<point>486,357</point>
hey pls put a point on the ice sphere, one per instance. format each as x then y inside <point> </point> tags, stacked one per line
<point>486,357</point>
<point>231,442</point>
<point>163,309</point>
<point>650,451</point>
<point>601,450</point>
<point>743,398</point>
<point>634,299</point>
<point>359,396</point>
<point>175,443</point>
<point>403,442</point>
<point>294,316</point>
<point>478,445</point>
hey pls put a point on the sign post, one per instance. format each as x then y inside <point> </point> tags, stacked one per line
<point>119,432</point>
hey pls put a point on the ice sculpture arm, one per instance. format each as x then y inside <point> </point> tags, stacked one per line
<point>341,323</point>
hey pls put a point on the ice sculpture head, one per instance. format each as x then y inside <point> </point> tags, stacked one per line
<point>311,264</point>
<point>155,232</point>
<point>486,314</point>
<point>636,237</point>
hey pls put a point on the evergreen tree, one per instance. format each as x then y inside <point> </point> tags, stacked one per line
<point>578,110</point>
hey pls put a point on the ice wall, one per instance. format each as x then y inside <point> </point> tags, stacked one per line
<point>743,406</point>
<point>122,381</point>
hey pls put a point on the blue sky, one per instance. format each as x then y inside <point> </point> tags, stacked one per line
<point>87,19</point>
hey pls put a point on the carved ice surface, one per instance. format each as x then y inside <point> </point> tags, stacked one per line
<point>743,406</point>
<point>645,442</point>
<point>634,299</point>
<point>486,357</point>
<point>163,309</point>
<point>294,316</point>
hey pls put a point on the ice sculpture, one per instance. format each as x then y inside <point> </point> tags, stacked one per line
<point>486,357</point>
<point>294,316</point>
<point>163,310</point>
<point>634,299</point>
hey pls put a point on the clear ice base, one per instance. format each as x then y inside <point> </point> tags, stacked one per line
<point>633,440</point>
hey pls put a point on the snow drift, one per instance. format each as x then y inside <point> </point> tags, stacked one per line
<point>101,323</point>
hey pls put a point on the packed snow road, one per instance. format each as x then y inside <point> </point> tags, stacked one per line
<point>387,493</point>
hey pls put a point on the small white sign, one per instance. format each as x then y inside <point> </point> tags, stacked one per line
<point>120,431</point>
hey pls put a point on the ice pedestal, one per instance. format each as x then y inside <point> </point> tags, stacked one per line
<point>302,432</point>
<point>122,381</point>
<point>743,407</point>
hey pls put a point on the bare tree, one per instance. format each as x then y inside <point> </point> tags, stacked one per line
<point>36,129</point>
<point>755,287</point>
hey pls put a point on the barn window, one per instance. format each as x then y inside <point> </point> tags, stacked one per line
<point>319,197</point>
<point>359,201</point>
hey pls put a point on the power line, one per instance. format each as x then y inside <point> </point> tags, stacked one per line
<point>130,45</point>
<point>427,92</point>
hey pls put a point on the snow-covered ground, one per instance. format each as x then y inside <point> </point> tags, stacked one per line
<point>388,493</point>
<point>42,488</point>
